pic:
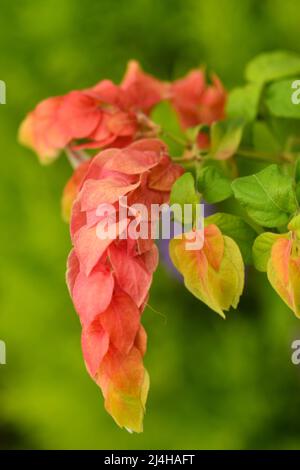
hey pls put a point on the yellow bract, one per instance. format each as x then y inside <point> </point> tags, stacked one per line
<point>213,273</point>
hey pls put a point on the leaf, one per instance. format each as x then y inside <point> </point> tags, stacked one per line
<point>236,228</point>
<point>278,99</point>
<point>262,249</point>
<point>244,101</point>
<point>267,196</point>
<point>165,116</point>
<point>285,129</point>
<point>225,138</point>
<point>297,170</point>
<point>263,139</point>
<point>297,178</point>
<point>193,132</point>
<point>214,273</point>
<point>213,184</point>
<point>184,192</point>
<point>271,66</point>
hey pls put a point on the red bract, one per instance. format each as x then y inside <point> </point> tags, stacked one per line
<point>42,131</point>
<point>109,279</point>
<point>195,101</point>
<point>71,189</point>
<point>97,117</point>
<point>82,119</point>
<point>143,90</point>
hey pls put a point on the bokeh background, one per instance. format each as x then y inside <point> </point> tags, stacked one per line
<point>214,384</point>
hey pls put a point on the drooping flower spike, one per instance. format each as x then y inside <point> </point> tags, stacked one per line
<point>109,279</point>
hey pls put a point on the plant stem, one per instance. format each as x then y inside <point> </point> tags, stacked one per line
<point>75,157</point>
<point>173,137</point>
<point>262,156</point>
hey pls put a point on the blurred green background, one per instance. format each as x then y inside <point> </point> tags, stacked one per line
<point>214,384</point>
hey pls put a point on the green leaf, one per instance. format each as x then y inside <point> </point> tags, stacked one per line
<point>297,170</point>
<point>225,138</point>
<point>165,116</point>
<point>297,178</point>
<point>184,192</point>
<point>278,99</point>
<point>213,184</point>
<point>285,129</point>
<point>243,102</point>
<point>267,196</point>
<point>272,66</point>
<point>235,227</point>
<point>261,249</point>
<point>263,139</point>
<point>192,132</point>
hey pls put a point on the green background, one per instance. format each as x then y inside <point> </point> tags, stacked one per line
<point>214,383</point>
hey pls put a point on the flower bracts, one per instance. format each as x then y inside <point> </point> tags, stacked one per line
<point>101,116</point>
<point>109,279</point>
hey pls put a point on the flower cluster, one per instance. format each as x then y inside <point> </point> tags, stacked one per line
<point>109,279</point>
<point>195,101</point>
<point>103,115</point>
<point>110,115</point>
<point>198,103</point>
